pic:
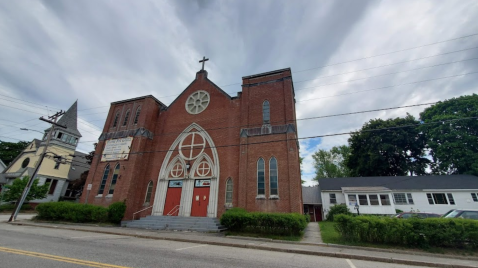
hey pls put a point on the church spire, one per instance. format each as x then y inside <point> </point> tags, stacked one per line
<point>69,119</point>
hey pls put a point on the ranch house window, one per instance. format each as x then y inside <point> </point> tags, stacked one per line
<point>403,198</point>
<point>385,200</point>
<point>114,179</point>
<point>229,191</point>
<point>373,200</point>
<point>126,117</point>
<point>149,190</point>
<point>103,180</point>
<point>474,196</point>
<point>136,117</point>
<point>333,199</point>
<point>440,199</point>
<point>266,113</point>
<point>115,123</point>
<point>273,176</point>
<point>363,201</point>
<point>260,177</point>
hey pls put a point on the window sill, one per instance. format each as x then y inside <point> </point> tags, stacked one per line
<point>109,196</point>
<point>274,197</point>
<point>99,196</point>
<point>261,197</point>
<point>146,204</point>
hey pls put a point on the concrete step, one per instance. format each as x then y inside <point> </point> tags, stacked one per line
<point>199,224</point>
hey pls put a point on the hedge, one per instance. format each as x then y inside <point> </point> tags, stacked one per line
<point>74,212</point>
<point>436,232</point>
<point>257,222</point>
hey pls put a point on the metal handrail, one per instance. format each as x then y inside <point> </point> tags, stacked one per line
<point>141,211</point>
<point>175,208</point>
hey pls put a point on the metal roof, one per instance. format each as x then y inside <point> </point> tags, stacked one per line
<point>311,195</point>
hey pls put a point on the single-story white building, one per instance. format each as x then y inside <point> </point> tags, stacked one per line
<point>382,195</point>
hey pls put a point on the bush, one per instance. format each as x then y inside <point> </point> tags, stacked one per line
<point>116,212</point>
<point>74,212</point>
<point>258,222</point>
<point>336,210</point>
<point>436,232</point>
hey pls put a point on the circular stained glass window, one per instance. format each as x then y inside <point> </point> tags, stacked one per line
<point>197,102</point>
<point>25,162</point>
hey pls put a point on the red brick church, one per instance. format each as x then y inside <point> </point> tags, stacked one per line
<point>204,153</point>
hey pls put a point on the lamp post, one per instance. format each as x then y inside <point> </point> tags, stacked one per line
<point>356,207</point>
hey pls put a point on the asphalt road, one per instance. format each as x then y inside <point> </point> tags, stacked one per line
<point>23,246</point>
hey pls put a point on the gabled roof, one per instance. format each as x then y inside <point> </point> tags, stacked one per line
<point>311,195</point>
<point>70,119</point>
<point>402,182</point>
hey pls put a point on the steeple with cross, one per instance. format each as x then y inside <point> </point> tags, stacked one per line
<point>203,61</point>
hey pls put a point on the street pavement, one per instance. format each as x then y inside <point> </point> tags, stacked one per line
<point>318,252</point>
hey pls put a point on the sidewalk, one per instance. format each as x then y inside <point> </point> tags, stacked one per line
<point>317,249</point>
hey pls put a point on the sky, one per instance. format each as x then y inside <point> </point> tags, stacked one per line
<point>346,56</point>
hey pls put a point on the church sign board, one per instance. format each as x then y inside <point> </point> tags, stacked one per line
<point>116,149</point>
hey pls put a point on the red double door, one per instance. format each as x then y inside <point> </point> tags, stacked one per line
<point>200,198</point>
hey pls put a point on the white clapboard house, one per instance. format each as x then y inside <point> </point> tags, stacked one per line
<point>383,195</point>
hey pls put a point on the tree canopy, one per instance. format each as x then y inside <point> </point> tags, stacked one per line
<point>10,150</point>
<point>388,150</point>
<point>331,164</point>
<point>13,191</point>
<point>453,145</point>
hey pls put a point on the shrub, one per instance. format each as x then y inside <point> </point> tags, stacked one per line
<point>437,232</point>
<point>336,210</point>
<point>116,212</point>
<point>398,210</point>
<point>74,212</point>
<point>258,222</point>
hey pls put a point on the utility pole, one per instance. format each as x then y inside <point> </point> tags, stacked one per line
<point>22,198</point>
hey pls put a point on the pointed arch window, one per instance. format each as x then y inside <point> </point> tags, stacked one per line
<point>273,177</point>
<point>260,177</point>
<point>114,179</point>
<point>103,180</point>
<point>136,117</point>
<point>115,123</point>
<point>229,188</point>
<point>149,191</point>
<point>266,113</point>
<point>126,117</point>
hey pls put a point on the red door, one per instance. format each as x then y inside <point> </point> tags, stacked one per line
<point>173,200</point>
<point>200,202</point>
<point>318,213</point>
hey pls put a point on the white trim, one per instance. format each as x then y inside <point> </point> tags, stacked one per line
<point>188,185</point>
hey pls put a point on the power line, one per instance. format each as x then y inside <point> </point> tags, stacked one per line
<point>362,78</point>
<point>427,80</point>
<point>388,53</point>
<point>312,137</point>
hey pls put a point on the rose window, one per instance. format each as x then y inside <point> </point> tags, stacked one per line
<point>197,102</point>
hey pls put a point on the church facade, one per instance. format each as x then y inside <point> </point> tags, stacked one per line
<point>204,153</point>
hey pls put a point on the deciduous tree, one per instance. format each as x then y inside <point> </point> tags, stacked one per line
<point>13,191</point>
<point>387,148</point>
<point>10,150</point>
<point>453,144</point>
<point>331,164</point>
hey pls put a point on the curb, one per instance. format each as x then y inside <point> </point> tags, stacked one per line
<point>259,247</point>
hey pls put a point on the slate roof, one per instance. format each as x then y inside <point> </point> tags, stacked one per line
<point>69,119</point>
<point>402,182</point>
<point>311,195</point>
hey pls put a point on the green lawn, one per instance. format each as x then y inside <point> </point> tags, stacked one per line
<point>328,233</point>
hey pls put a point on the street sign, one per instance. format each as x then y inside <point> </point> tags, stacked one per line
<point>89,186</point>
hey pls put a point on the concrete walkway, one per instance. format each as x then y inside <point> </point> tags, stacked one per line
<point>318,249</point>
<point>312,233</point>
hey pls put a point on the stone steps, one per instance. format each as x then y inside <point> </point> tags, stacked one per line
<point>198,224</point>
